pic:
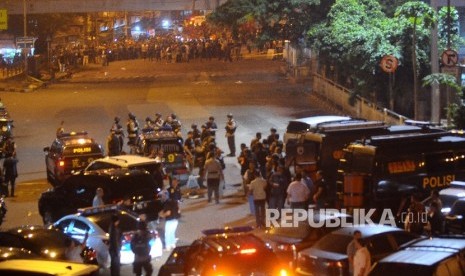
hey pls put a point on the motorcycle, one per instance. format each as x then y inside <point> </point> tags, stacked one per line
<point>3,209</point>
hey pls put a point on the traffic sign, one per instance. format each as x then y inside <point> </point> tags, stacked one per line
<point>25,42</point>
<point>449,58</point>
<point>389,63</point>
<point>3,20</point>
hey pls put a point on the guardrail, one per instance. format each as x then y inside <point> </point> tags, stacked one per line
<point>11,71</point>
<point>360,107</point>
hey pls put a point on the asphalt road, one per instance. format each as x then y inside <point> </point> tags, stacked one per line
<point>256,91</point>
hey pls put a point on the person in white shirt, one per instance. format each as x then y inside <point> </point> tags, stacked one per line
<point>73,249</point>
<point>98,198</point>
<point>298,193</point>
<point>362,259</point>
<point>257,188</point>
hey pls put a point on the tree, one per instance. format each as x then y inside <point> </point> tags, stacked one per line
<point>417,15</point>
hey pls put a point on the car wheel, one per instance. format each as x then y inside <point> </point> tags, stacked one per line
<point>47,217</point>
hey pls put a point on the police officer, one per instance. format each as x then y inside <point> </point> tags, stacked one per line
<point>133,129</point>
<point>230,134</point>
<point>158,122</point>
<point>118,129</point>
<point>113,144</point>
<point>140,246</point>
<point>195,131</point>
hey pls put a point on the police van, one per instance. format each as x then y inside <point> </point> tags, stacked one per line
<point>70,153</point>
<point>168,147</point>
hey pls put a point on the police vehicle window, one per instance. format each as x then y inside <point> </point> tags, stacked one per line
<point>79,228</point>
<point>297,127</point>
<point>458,208</point>
<point>440,162</point>
<point>102,165</point>
<point>64,224</point>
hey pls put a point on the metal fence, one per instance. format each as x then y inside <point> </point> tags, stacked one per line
<point>347,103</point>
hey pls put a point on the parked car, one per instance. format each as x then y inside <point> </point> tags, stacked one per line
<point>44,242</point>
<point>78,191</point>
<point>167,146</point>
<point>69,153</point>
<point>286,242</point>
<point>436,256</point>
<point>28,267</point>
<point>96,221</point>
<point>229,251</point>
<point>329,257</point>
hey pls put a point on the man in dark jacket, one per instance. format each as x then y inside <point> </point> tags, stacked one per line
<point>11,173</point>
<point>140,245</point>
<point>115,245</point>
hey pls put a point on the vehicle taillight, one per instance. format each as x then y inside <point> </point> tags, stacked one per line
<point>286,247</point>
<point>61,163</point>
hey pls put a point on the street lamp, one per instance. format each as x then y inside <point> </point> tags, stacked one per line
<point>25,50</point>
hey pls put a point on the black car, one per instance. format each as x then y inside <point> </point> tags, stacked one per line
<point>48,243</point>
<point>288,241</point>
<point>70,152</point>
<point>229,251</point>
<point>329,255</point>
<point>79,190</point>
<point>437,256</point>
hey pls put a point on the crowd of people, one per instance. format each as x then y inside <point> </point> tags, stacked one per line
<point>167,48</point>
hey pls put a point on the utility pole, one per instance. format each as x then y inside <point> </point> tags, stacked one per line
<point>435,94</point>
<point>25,50</point>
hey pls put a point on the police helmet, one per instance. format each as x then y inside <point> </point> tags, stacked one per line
<point>173,116</point>
<point>132,116</point>
<point>211,118</point>
<point>148,119</point>
<point>193,126</point>
<point>230,115</point>
<point>157,114</point>
<point>117,119</point>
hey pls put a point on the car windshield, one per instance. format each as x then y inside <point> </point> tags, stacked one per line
<point>103,220</point>
<point>333,243</point>
<point>297,127</point>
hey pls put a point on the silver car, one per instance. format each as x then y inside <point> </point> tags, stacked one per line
<point>96,221</point>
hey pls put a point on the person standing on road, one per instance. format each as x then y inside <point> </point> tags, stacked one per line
<point>113,144</point>
<point>257,189</point>
<point>298,193</point>
<point>118,129</point>
<point>133,130</point>
<point>211,126</point>
<point>140,246</point>
<point>362,259</point>
<point>11,172</point>
<point>213,174</point>
<point>114,247</point>
<point>98,198</point>
<point>351,249</point>
<point>170,213</point>
<point>230,135</point>
<point>320,190</point>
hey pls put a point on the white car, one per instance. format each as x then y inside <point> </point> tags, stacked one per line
<point>96,221</point>
<point>125,161</point>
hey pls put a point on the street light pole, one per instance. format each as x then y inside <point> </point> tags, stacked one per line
<point>25,50</point>
<point>435,94</point>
